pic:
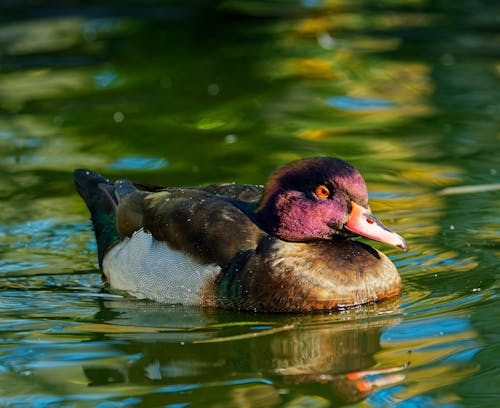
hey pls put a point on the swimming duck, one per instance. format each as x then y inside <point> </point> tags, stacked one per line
<point>283,247</point>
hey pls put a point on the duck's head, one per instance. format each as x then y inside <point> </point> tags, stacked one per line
<point>318,199</point>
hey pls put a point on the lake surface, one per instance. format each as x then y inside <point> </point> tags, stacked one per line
<point>194,92</point>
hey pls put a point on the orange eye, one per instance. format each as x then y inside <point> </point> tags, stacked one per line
<point>322,192</point>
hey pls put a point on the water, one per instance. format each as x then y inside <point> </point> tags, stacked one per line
<point>183,93</point>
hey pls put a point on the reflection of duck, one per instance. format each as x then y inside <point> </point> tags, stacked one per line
<point>282,248</point>
<point>319,354</point>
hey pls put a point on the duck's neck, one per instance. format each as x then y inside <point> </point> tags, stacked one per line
<point>267,219</point>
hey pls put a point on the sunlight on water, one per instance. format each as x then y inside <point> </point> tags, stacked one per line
<point>184,94</point>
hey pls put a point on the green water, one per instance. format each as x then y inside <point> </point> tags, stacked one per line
<point>192,92</point>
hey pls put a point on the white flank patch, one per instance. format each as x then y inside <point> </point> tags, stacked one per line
<point>150,269</point>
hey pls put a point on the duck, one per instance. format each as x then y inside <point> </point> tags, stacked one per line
<point>288,246</point>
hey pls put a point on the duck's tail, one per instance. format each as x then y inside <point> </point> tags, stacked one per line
<point>98,194</point>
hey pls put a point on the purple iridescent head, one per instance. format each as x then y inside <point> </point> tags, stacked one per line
<point>317,199</point>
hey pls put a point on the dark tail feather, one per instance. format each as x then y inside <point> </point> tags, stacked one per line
<point>98,194</point>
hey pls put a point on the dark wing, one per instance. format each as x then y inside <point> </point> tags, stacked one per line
<point>196,221</point>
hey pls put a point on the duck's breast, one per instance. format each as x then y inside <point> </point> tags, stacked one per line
<point>150,269</point>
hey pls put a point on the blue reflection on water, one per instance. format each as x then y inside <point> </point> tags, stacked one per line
<point>389,397</point>
<point>425,328</point>
<point>463,356</point>
<point>447,341</point>
<point>97,26</point>
<point>139,163</point>
<point>384,396</point>
<point>42,355</point>
<point>127,402</point>
<point>189,387</point>
<point>179,405</point>
<point>11,265</point>
<point>105,79</point>
<point>358,104</point>
<point>311,3</point>
<point>44,233</point>
<point>5,134</point>
<point>423,401</point>
<point>37,239</point>
<point>261,327</point>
